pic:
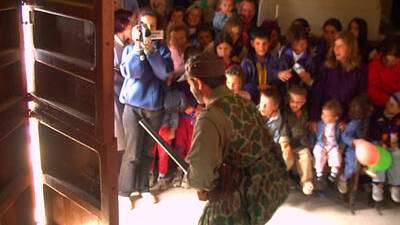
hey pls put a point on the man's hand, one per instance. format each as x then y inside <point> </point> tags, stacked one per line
<point>148,45</point>
<point>312,126</point>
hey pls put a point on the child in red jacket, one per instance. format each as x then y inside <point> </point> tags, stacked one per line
<point>384,73</point>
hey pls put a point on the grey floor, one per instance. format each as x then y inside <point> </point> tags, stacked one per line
<point>180,207</point>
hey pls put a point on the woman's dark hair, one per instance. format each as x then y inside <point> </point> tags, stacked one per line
<point>360,107</point>
<point>391,45</point>
<point>223,37</point>
<point>303,22</point>
<point>121,20</point>
<point>296,32</point>
<point>363,31</point>
<point>334,23</point>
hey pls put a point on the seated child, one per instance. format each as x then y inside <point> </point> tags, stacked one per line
<point>204,36</point>
<point>269,109</point>
<point>177,15</point>
<point>296,147</point>
<point>328,138</point>
<point>226,9</point>
<point>360,110</point>
<point>223,47</point>
<point>296,60</point>
<point>234,80</point>
<point>387,134</point>
<point>260,68</point>
<point>240,39</point>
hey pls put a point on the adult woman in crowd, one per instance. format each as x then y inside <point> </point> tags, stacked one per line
<point>122,35</point>
<point>330,29</point>
<point>341,77</point>
<point>358,27</point>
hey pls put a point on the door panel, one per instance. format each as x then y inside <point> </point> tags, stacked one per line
<point>73,102</point>
<point>16,190</point>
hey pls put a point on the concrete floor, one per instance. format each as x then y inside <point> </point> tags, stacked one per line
<point>181,207</point>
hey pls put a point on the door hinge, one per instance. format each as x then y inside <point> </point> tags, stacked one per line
<point>28,17</point>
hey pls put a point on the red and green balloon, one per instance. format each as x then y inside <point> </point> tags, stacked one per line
<point>375,157</point>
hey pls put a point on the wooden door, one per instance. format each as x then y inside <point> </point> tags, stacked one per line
<point>71,108</point>
<point>16,184</point>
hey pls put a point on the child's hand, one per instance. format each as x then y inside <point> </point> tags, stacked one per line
<point>285,75</point>
<point>342,126</point>
<point>306,77</point>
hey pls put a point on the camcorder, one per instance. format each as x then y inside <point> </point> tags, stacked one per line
<point>145,32</point>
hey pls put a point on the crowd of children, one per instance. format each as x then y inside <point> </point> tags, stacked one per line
<point>316,95</point>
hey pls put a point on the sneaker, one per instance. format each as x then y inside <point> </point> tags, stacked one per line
<point>308,188</point>
<point>377,192</point>
<point>342,186</point>
<point>395,193</point>
<point>332,178</point>
<point>320,183</point>
<point>161,185</point>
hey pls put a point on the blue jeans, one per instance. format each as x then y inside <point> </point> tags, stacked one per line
<point>350,162</point>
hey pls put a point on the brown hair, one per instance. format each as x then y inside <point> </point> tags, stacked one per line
<point>234,70</point>
<point>353,59</point>
<point>175,27</point>
<point>297,90</point>
<point>360,107</point>
<point>147,12</point>
<point>333,106</point>
<point>273,94</point>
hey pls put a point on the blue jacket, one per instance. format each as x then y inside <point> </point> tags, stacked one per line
<point>251,77</point>
<point>320,133</point>
<point>219,20</point>
<point>354,129</point>
<point>144,80</point>
<point>306,61</point>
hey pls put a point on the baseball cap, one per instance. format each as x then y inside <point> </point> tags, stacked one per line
<point>203,65</point>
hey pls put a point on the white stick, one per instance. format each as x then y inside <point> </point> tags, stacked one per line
<point>276,11</point>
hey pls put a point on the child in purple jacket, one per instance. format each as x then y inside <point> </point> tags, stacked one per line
<point>296,59</point>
